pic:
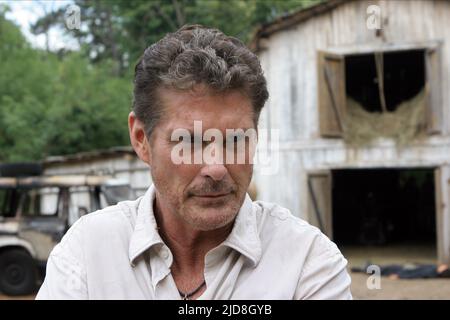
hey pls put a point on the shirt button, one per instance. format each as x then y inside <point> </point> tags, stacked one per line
<point>165,253</point>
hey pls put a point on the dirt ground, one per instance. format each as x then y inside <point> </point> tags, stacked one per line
<point>427,289</point>
<point>395,289</point>
<point>5,297</point>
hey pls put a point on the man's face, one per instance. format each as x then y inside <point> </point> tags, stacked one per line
<point>208,195</point>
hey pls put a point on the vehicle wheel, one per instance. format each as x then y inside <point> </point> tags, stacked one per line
<point>17,273</point>
<point>20,169</point>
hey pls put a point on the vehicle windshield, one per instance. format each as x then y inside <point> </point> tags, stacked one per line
<point>9,200</point>
<point>41,202</point>
<point>117,193</point>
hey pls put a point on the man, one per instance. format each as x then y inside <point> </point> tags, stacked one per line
<point>195,234</point>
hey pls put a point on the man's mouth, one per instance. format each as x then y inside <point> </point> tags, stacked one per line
<point>212,195</point>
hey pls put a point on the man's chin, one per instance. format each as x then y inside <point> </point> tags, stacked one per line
<point>210,213</point>
<point>207,219</point>
<point>209,225</point>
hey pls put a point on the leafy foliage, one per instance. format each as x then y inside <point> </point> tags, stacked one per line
<point>56,105</point>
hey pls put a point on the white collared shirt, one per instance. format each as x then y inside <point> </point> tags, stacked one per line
<point>117,253</point>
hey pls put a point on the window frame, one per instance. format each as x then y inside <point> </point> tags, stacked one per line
<point>332,105</point>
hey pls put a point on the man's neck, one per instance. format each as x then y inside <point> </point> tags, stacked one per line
<point>188,245</point>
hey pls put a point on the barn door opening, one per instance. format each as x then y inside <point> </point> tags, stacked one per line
<point>389,211</point>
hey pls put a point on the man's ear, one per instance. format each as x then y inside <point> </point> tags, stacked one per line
<point>138,138</point>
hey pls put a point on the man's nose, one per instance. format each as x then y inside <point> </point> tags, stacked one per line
<point>215,171</point>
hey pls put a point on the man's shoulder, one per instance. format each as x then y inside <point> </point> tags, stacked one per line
<point>113,220</point>
<point>280,218</point>
<point>276,223</point>
<point>124,210</point>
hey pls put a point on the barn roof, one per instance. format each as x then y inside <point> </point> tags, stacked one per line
<point>90,155</point>
<point>289,20</point>
<point>56,181</point>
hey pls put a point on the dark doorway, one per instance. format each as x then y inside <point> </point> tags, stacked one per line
<point>382,207</point>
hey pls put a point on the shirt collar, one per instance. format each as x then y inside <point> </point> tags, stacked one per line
<point>242,238</point>
<point>145,234</point>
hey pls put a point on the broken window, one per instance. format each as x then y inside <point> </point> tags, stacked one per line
<point>381,93</point>
<point>402,77</point>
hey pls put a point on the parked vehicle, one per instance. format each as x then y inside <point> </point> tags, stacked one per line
<point>35,212</point>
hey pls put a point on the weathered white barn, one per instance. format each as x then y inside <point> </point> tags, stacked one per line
<point>314,61</point>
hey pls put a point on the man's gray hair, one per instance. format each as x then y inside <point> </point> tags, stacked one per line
<point>196,55</point>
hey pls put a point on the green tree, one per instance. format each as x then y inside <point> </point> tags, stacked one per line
<point>120,30</point>
<point>56,105</point>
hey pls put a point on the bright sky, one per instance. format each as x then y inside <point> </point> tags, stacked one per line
<point>25,12</point>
